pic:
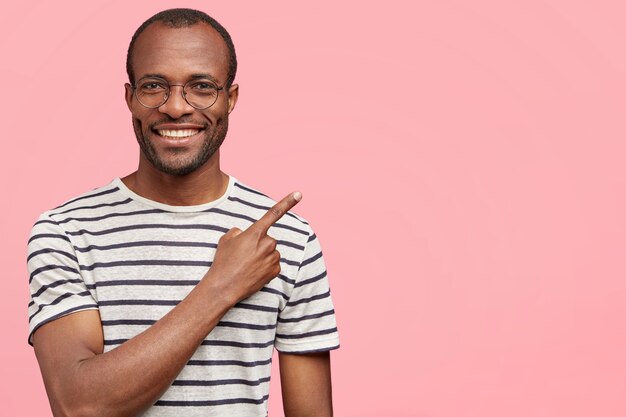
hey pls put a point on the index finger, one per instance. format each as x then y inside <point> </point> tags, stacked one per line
<point>276,212</point>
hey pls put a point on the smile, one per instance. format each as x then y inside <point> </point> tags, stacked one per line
<point>182,133</point>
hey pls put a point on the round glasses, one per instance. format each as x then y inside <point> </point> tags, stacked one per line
<point>153,92</point>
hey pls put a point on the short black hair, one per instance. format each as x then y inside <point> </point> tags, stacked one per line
<point>182,18</point>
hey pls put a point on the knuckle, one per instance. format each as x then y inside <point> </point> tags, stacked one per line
<point>229,234</point>
<point>276,211</point>
<point>268,243</point>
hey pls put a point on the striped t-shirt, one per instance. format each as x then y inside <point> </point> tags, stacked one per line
<point>134,259</point>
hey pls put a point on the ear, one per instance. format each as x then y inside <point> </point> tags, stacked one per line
<point>233,95</point>
<point>128,95</point>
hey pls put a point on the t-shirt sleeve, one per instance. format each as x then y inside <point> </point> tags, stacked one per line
<point>307,323</point>
<point>56,285</point>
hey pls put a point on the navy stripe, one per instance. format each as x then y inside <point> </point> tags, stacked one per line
<point>250,190</point>
<point>149,226</point>
<point>50,235</point>
<point>288,262</point>
<point>197,383</point>
<point>109,191</point>
<point>307,317</point>
<point>246,325</point>
<point>128,322</point>
<point>230,213</point>
<point>308,334</point>
<point>58,300</point>
<point>107,216</point>
<point>311,259</point>
<point>209,343</point>
<point>147,262</point>
<point>273,291</point>
<point>222,362</point>
<point>111,342</point>
<point>258,308</point>
<point>293,229</point>
<point>156,282</point>
<point>208,403</point>
<point>56,316</point>
<point>289,244</point>
<point>49,268</point>
<point>306,300</point>
<point>45,221</point>
<point>249,204</point>
<point>237,344</point>
<point>43,288</point>
<point>147,243</point>
<point>60,252</point>
<point>287,280</point>
<point>142,322</point>
<point>310,280</point>
<point>138,303</point>
<point>113,204</point>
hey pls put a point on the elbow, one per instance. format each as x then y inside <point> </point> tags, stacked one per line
<point>60,409</point>
<point>70,406</point>
<point>63,409</point>
<point>73,406</point>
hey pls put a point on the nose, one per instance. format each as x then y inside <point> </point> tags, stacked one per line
<point>176,106</point>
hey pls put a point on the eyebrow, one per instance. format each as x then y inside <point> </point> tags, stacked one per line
<point>193,77</point>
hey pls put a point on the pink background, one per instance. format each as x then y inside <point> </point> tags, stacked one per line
<point>462,162</point>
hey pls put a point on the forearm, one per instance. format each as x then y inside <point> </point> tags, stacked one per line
<point>131,377</point>
<point>306,385</point>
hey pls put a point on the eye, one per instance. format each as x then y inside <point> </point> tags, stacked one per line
<point>152,86</point>
<point>202,87</point>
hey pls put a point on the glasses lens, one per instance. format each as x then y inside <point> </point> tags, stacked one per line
<point>152,92</point>
<point>201,93</point>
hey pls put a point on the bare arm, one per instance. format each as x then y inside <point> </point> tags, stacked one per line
<point>306,384</point>
<point>81,380</point>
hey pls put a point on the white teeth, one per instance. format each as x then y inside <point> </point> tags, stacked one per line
<point>178,133</point>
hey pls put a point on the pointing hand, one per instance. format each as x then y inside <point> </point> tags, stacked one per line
<point>247,260</point>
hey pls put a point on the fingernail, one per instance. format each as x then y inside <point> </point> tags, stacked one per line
<point>297,195</point>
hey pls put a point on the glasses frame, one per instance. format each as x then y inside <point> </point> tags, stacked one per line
<point>169,91</point>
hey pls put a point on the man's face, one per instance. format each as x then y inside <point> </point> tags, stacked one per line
<point>176,138</point>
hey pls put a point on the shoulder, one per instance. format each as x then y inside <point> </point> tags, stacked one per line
<point>50,221</point>
<point>101,195</point>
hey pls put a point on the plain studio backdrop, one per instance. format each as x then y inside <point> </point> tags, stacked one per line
<point>462,163</point>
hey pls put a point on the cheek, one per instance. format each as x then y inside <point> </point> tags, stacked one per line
<point>141,120</point>
<point>140,127</point>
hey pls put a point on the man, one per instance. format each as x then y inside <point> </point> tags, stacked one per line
<point>165,292</point>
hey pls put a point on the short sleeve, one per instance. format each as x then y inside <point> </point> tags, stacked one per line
<point>56,285</point>
<point>307,323</point>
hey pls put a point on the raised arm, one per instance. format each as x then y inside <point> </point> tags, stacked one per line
<point>81,380</point>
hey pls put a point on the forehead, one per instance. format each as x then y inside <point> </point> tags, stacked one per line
<point>179,53</point>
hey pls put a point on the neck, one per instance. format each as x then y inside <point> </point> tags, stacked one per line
<point>204,185</point>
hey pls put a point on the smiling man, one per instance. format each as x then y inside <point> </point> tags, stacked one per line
<point>165,292</point>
